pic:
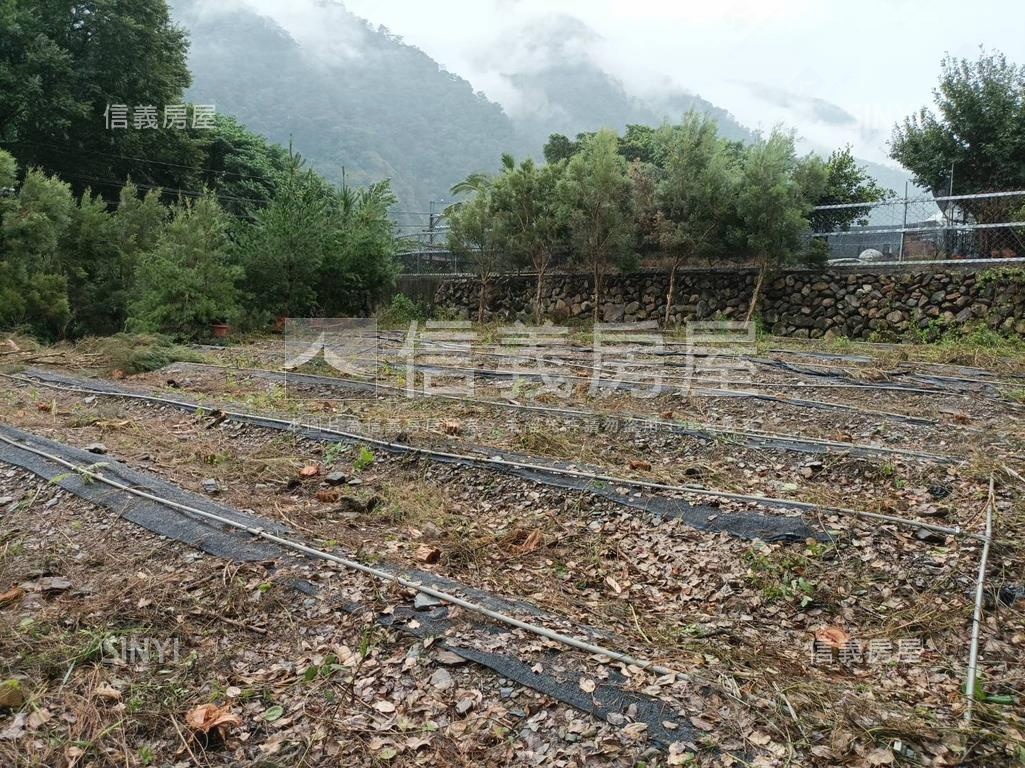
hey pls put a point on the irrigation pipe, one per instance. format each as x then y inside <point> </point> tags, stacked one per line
<point>973,653</point>
<point>498,461</point>
<point>635,365</point>
<point>703,392</point>
<point>581,413</point>
<point>376,573</point>
<point>908,366</point>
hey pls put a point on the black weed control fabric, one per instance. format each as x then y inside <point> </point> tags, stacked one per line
<point>193,530</point>
<point>762,442</point>
<point>703,517</point>
<point>559,673</point>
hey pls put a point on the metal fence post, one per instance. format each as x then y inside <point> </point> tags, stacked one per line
<point>904,224</point>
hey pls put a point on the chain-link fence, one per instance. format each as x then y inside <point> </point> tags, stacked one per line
<point>982,226</point>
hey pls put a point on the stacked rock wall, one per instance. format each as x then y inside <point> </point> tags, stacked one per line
<point>883,303</point>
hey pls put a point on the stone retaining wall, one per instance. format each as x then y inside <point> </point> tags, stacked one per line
<point>886,303</point>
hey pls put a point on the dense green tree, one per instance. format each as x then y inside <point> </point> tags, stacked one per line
<point>136,227</point>
<point>33,288</point>
<point>138,223</point>
<point>838,180</point>
<point>244,168</point>
<point>8,173</point>
<point>185,283</point>
<point>92,264</point>
<point>477,233</point>
<point>639,142</point>
<point>359,269</point>
<point>559,147</point>
<point>977,132</point>
<point>282,252</point>
<point>62,62</point>
<point>771,207</point>
<point>693,194</point>
<point>523,198</point>
<point>594,200</point>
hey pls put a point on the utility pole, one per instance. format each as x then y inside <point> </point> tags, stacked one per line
<point>430,226</point>
<point>432,221</point>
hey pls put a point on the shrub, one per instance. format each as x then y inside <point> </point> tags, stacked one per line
<point>402,311</point>
<point>185,284</point>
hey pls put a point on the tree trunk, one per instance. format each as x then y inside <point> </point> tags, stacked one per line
<point>757,294</point>
<point>483,299</point>
<point>597,293</point>
<point>538,313</point>
<point>671,294</point>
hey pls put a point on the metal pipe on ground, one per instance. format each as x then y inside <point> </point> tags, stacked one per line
<point>581,413</point>
<point>973,651</point>
<point>376,573</point>
<point>500,462</point>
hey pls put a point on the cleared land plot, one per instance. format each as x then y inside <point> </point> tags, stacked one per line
<point>738,618</point>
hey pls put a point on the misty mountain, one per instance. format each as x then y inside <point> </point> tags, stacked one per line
<point>361,105</point>
<point>578,97</point>
<point>376,108</point>
<point>553,79</point>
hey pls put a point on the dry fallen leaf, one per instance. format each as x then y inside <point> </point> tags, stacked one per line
<point>428,554</point>
<point>533,540</point>
<point>834,637</point>
<point>414,743</point>
<point>701,724</point>
<point>310,470</point>
<point>880,757</point>
<point>51,584</point>
<point>448,658</point>
<point>14,593</point>
<point>759,738</point>
<point>384,706</point>
<point>118,374</point>
<point>328,495</point>
<point>640,464</point>
<point>587,685</point>
<point>15,729</point>
<point>451,427</point>
<point>106,691</point>
<point>635,731</point>
<point>209,717</point>
<point>38,718</point>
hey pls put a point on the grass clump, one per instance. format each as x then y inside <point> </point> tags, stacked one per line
<point>402,311</point>
<point>136,353</point>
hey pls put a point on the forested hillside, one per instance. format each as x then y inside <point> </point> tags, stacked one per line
<point>381,110</point>
<point>167,227</point>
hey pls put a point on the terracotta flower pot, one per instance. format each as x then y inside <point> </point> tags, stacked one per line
<point>220,330</point>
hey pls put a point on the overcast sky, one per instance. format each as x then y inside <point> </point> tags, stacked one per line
<point>838,72</point>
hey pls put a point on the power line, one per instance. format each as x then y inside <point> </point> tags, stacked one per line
<point>67,150</point>
<point>178,190</point>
